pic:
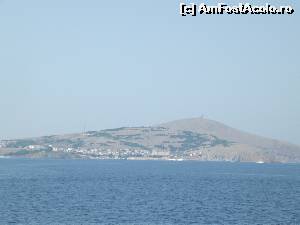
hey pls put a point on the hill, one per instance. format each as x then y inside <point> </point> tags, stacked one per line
<point>189,139</point>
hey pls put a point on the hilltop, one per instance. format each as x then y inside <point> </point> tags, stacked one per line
<point>189,139</point>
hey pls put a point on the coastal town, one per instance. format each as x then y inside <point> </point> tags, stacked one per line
<point>144,143</point>
<point>103,153</point>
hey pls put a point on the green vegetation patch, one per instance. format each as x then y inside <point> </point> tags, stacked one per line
<point>191,140</point>
<point>21,143</point>
<point>134,145</point>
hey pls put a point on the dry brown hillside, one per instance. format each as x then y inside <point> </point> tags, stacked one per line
<point>189,139</point>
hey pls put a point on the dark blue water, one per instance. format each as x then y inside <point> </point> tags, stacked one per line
<point>147,192</point>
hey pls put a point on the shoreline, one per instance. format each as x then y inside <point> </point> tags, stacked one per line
<point>145,159</point>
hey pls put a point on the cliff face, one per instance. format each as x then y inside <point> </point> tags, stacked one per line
<point>191,139</point>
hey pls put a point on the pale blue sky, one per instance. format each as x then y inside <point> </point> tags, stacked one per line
<point>66,63</point>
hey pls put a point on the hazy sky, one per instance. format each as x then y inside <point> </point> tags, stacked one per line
<point>66,64</point>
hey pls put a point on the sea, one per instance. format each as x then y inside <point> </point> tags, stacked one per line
<point>46,191</point>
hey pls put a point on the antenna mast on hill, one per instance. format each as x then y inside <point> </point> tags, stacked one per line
<point>84,128</point>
